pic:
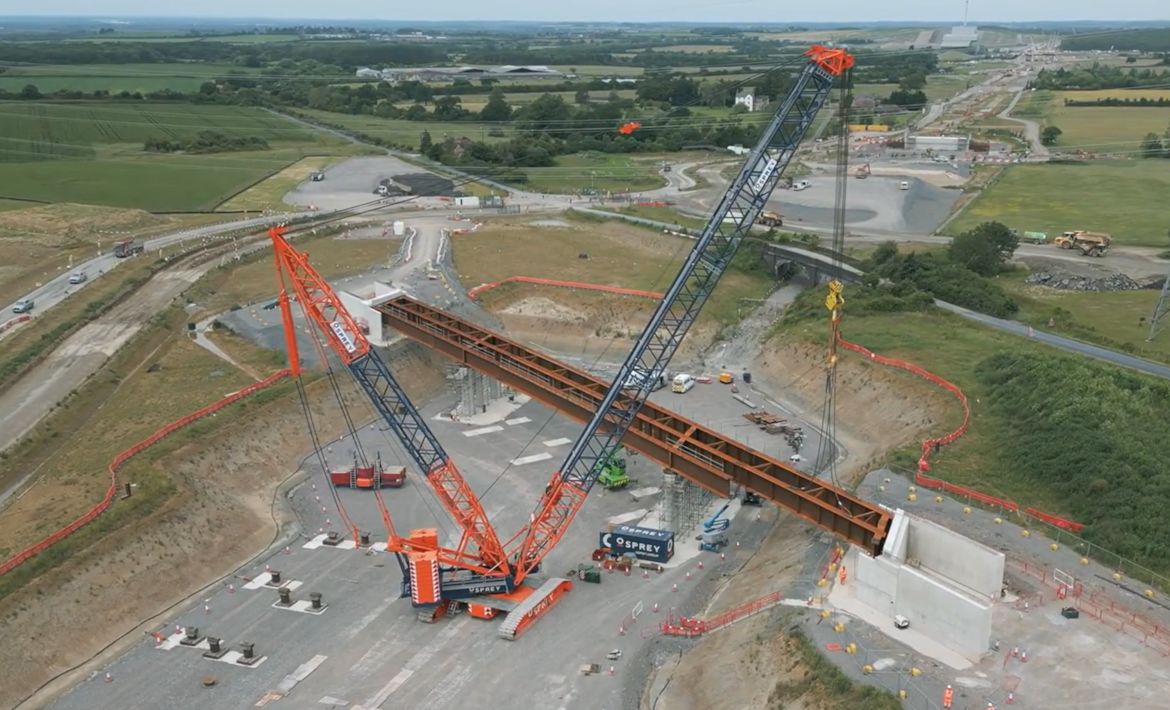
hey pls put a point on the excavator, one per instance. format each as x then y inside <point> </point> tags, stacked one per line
<point>480,573</point>
<point>1089,243</point>
<point>613,475</point>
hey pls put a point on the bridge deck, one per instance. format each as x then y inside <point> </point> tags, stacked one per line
<point>695,452</point>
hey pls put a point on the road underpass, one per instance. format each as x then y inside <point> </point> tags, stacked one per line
<point>690,449</point>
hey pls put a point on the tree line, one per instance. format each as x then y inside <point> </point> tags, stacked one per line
<point>1145,40</point>
<point>1097,76</point>
<point>205,142</point>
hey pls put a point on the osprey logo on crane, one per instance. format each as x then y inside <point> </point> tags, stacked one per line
<point>345,338</point>
<point>762,180</point>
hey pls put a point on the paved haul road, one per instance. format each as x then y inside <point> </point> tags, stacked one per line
<point>59,288</point>
<point>1031,128</point>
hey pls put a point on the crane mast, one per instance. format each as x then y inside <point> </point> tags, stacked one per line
<point>691,288</point>
<point>486,563</point>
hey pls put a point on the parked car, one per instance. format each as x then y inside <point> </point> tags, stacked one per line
<point>77,277</point>
<point>24,305</point>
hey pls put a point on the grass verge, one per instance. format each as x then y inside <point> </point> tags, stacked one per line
<point>1122,198</point>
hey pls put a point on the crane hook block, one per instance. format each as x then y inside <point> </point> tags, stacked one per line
<point>834,61</point>
<point>628,128</point>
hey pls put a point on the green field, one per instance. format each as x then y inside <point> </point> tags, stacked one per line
<point>1124,198</point>
<point>1106,129</point>
<point>406,133</point>
<point>92,153</point>
<point>116,78</point>
<point>600,171</point>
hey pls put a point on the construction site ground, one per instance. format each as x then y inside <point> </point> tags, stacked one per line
<point>376,651</point>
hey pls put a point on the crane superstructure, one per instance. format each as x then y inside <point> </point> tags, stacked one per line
<point>706,263</point>
<point>490,576</point>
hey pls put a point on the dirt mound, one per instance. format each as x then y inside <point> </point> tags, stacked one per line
<point>64,225</point>
<point>545,308</point>
<point>219,516</point>
<point>878,408</point>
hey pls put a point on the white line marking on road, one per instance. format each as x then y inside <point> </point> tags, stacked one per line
<point>557,442</point>
<point>531,459</point>
<point>420,660</point>
<point>290,681</point>
<point>627,517</point>
<point>517,420</point>
<point>485,430</point>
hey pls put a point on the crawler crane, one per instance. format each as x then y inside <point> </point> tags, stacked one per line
<point>481,572</point>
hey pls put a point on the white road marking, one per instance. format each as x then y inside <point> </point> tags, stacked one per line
<point>330,700</point>
<point>557,442</point>
<point>485,430</point>
<point>517,420</point>
<point>290,681</point>
<point>420,660</point>
<point>531,459</point>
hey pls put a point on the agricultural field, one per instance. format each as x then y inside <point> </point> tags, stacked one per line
<point>697,48</point>
<point>1106,129</point>
<point>475,102</point>
<point>93,153</point>
<point>406,133</point>
<point>1123,198</point>
<point>269,193</point>
<point>116,78</point>
<point>600,171</point>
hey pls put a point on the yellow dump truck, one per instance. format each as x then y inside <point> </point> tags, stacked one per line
<point>1089,243</point>
<point>771,219</point>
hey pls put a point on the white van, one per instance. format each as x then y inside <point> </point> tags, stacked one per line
<point>682,384</point>
<point>904,186</point>
<point>801,185</point>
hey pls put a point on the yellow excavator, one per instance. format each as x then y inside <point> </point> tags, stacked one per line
<point>1089,243</point>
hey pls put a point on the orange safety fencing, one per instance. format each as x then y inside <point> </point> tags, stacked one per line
<point>696,627</point>
<point>931,446</point>
<point>125,456</point>
<point>565,284</point>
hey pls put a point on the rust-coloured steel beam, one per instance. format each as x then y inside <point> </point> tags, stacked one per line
<point>694,451</point>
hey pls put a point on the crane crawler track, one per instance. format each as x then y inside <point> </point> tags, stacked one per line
<point>694,451</point>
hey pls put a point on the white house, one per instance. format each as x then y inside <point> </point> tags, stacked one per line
<point>750,100</point>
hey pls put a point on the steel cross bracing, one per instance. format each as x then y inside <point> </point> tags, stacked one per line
<point>709,258</point>
<point>322,306</point>
<point>699,454</point>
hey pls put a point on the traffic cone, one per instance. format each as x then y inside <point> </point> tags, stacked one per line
<point>267,568</point>
<point>612,671</point>
<point>655,608</point>
<point>737,544</point>
<point>1023,657</point>
<point>109,678</point>
<point>700,564</point>
<point>688,576</point>
<point>231,589</point>
<point>1011,699</point>
<point>757,517</point>
<point>1015,652</point>
<point>328,523</point>
<point>314,486</point>
<point>674,587</point>
<point>621,631</point>
<point>324,510</point>
<point>320,531</point>
<point>206,609</point>
<point>318,499</point>
<point>645,574</point>
<point>722,556</point>
<point>286,550</point>
<point>178,629</point>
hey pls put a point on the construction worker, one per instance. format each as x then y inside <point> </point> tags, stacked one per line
<point>948,697</point>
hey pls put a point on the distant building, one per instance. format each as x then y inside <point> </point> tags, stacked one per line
<point>964,37</point>
<point>864,103</point>
<point>749,99</point>
<point>945,144</point>
<point>446,74</point>
<point>367,73</point>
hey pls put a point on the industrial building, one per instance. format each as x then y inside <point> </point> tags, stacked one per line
<point>448,74</point>
<point>964,37</point>
<point>940,144</point>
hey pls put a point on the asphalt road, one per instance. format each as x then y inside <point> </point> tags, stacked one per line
<point>57,289</point>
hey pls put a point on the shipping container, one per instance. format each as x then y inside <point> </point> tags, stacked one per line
<point>467,201</point>
<point>645,543</point>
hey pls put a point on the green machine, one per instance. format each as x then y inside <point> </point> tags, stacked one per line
<point>613,475</point>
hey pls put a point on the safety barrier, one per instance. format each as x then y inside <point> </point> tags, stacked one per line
<point>696,627</point>
<point>125,456</point>
<point>931,446</point>
<point>564,284</point>
<point>13,322</point>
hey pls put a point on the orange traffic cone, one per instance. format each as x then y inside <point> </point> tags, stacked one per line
<point>688,576</point>
<point>645,574</point>
<point>328,523</point>
<point>674,587</point>
<point>737,544</point>
<point>700,564</point>
<point>287,551</point>
<point>109,678</point>
<point>1011,699</point>
<point>722,556</point>
<point>621,631</point>
<point>206,609</point>
<point>267,568</point>
<point>231,588</point>
<point>655,609</point>
<point>324,510</point>
<point>612,671</point>
<point>1023,657</point>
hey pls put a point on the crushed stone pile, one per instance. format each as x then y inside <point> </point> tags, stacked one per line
<point>1070,282</point>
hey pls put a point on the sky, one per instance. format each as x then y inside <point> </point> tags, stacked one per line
<point>945,11</point>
